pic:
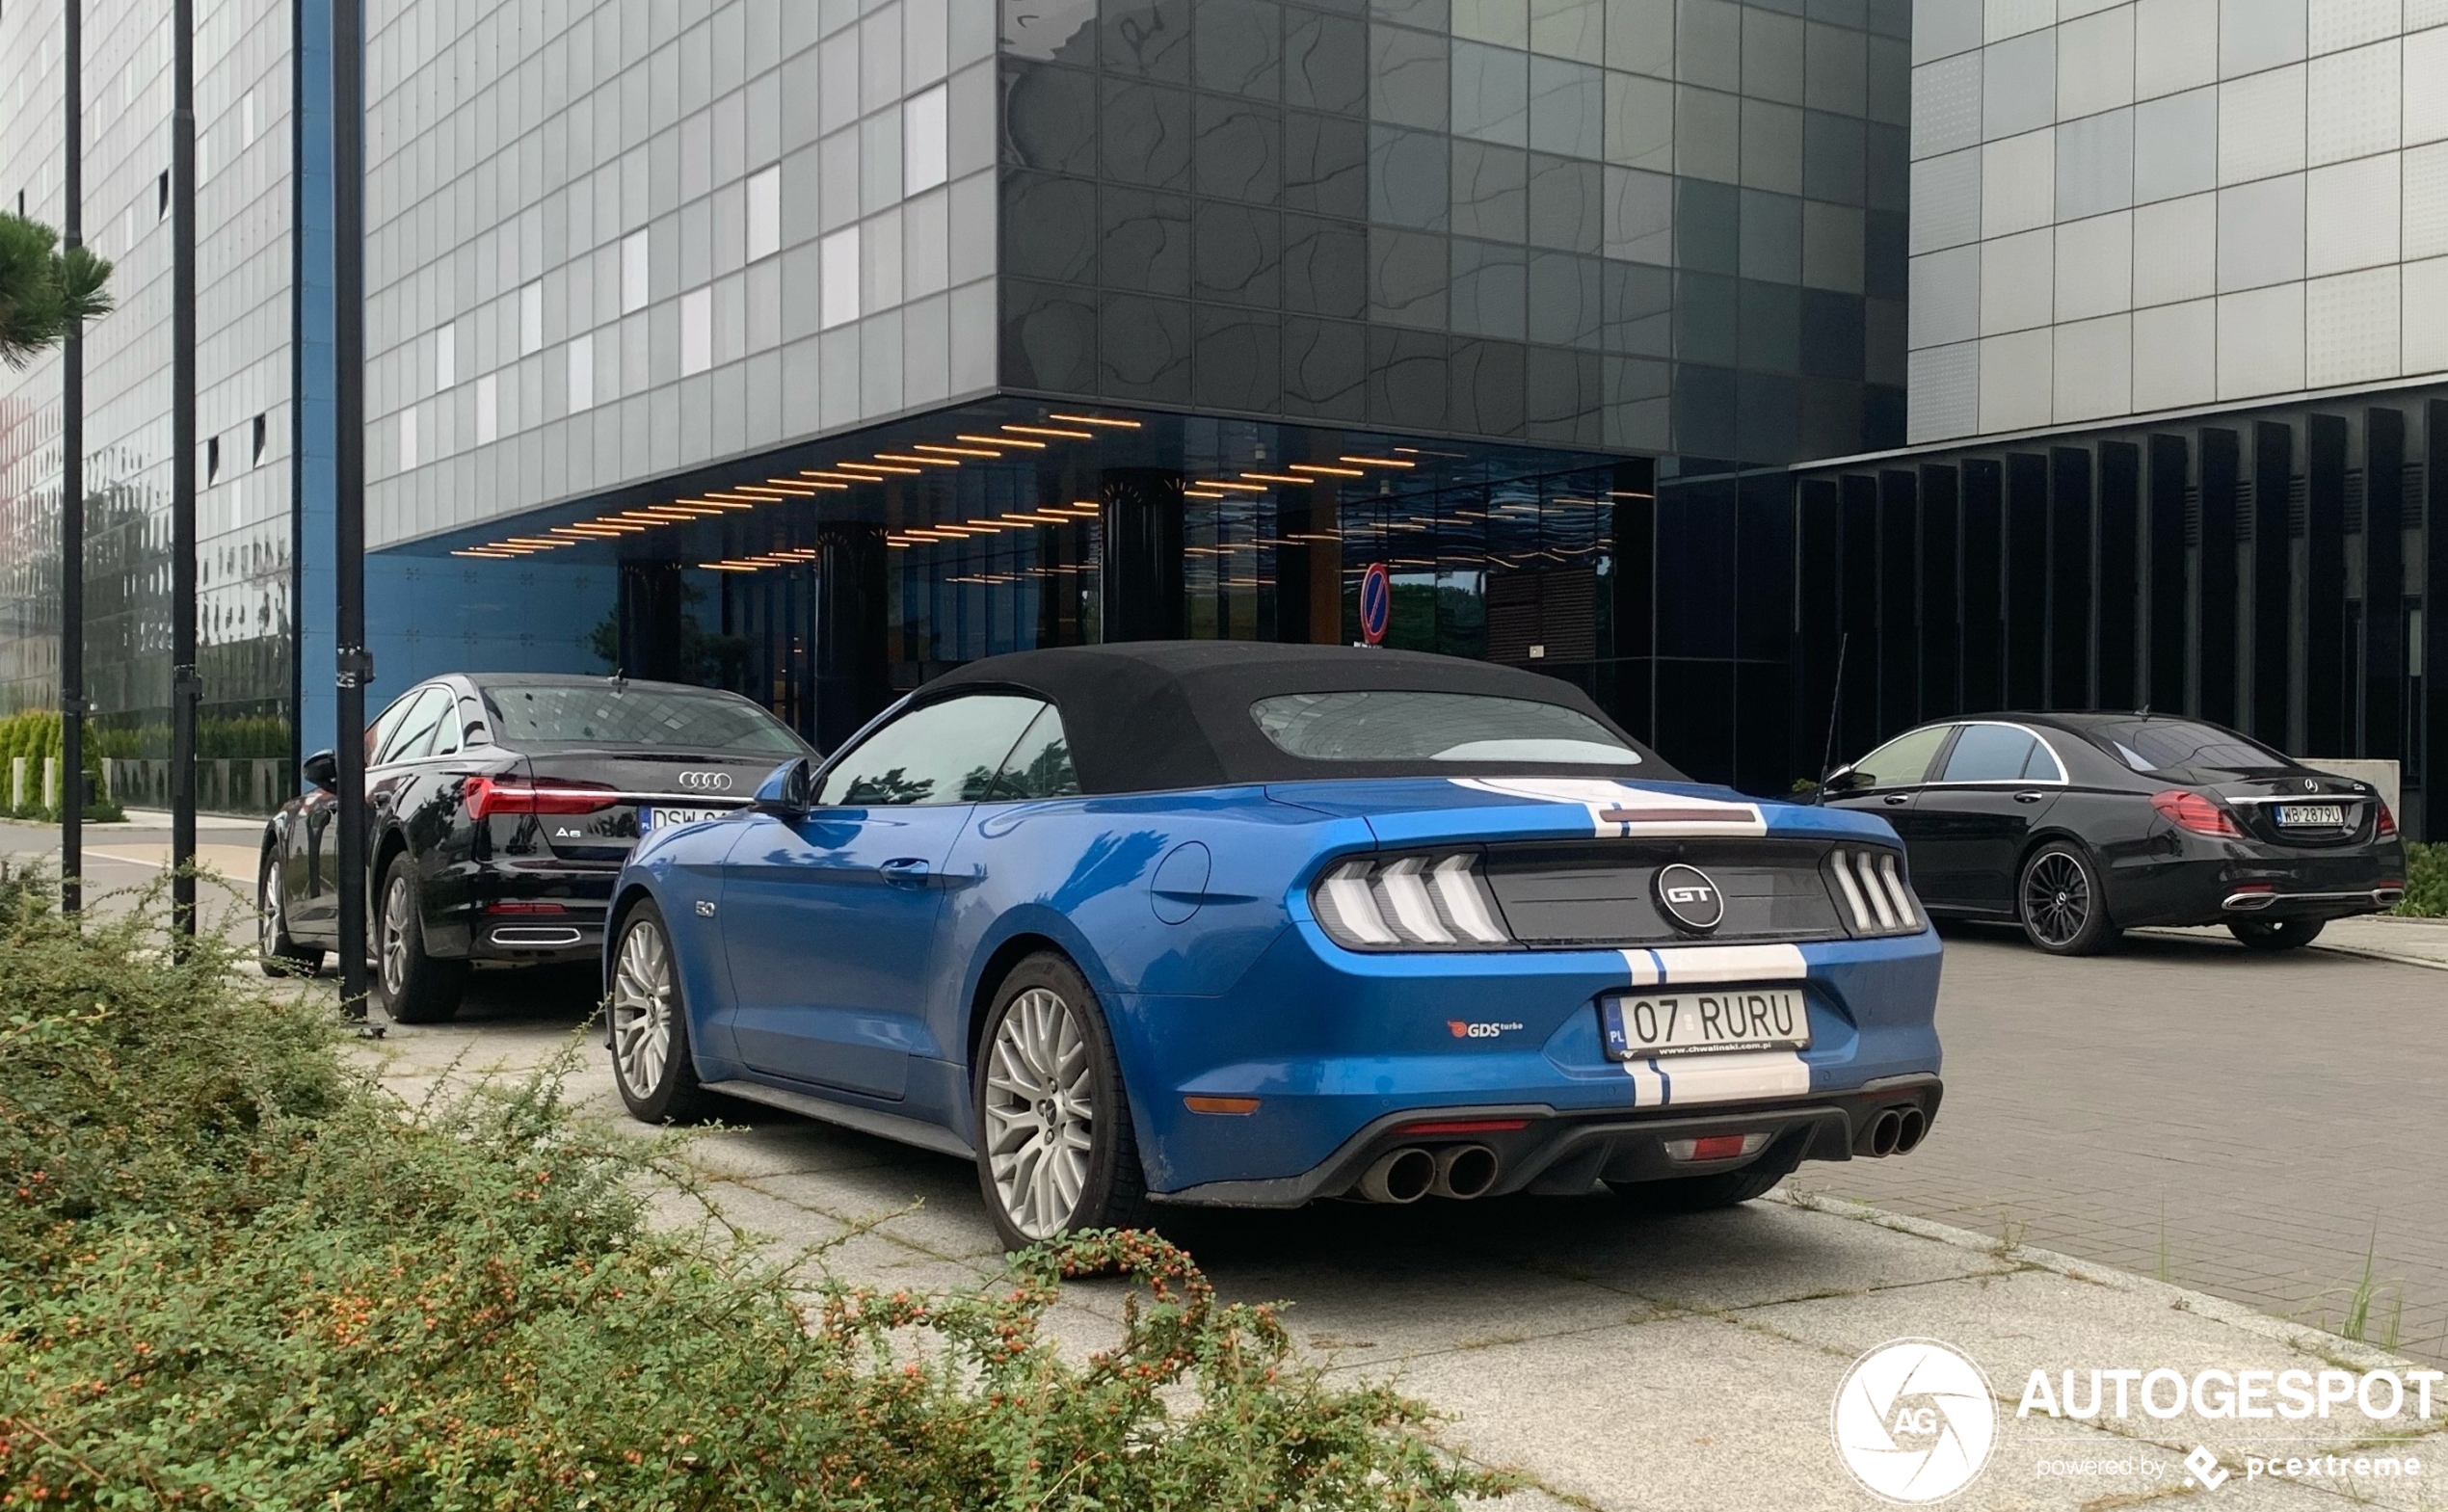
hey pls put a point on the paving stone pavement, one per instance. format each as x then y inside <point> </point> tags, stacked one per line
<point>1617,1362</point>
<point>2253,1126</point>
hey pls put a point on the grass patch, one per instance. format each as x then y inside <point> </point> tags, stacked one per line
<point>234,1272</point>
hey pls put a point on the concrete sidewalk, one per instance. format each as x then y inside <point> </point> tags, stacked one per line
<point>1617,1362</point>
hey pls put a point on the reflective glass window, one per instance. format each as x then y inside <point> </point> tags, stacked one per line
<point>1040,765</point>
<point>1239,47</point>
<point>1995,753</point>
<point>943,753</point>
<point>1326,62</point>
<point>1491,192</point>
<point>1901,762</point>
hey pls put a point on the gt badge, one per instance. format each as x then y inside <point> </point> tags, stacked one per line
<point>1689,897</point>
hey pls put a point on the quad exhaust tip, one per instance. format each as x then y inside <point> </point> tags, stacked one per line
<point>1894,1131</point>
<point>1410,1172</point>
<point>1400,1176</point>
<point>1464,1171</point>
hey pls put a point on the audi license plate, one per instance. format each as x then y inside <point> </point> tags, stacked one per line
<point>2311,816</point>
<point>658,817</point>
<point>1637,1025</point>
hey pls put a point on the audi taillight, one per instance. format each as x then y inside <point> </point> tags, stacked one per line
<point>1408,903</point>
<point>1877,899</point>
<point>2196,815</point>
<point>487,796</point>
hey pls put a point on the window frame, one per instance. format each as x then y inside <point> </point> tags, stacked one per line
<point>817,798</point>
<point>1947,754</point>
<point>430,692</point>
<point>1945,730</point>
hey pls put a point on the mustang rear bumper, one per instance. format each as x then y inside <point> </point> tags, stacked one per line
<point>1565,1153</point>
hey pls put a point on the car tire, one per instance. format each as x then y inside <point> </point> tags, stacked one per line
<point>1705,1193</point>
<point>409,986</point>
<point>1055,1148</point>
<point>2276,934</point>
<point>2058,901</point>
<point>277,954</point>
<point>651,1060</point>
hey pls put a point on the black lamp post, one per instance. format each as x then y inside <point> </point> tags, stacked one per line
<point>185,685</point>
<point>348,504</point>
<point>72,480</point>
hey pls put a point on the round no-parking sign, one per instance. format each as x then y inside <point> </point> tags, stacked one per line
<point>1377,603</point>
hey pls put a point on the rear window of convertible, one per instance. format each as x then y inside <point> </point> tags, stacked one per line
<point>1403,726</point>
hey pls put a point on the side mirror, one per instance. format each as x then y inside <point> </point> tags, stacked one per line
<point>1845,780</point>
<point>323,770</point>
<point>787,790</point>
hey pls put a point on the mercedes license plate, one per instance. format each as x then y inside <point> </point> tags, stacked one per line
<point>1637,1025</point>
<point>658,817</point>
<point>2312,816</point>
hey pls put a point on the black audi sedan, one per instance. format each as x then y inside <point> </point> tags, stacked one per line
<point>2081,826</point>
<point>500,807</point>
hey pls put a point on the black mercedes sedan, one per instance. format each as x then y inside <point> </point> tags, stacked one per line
<point>2081,826</point>
<point>500,807</point>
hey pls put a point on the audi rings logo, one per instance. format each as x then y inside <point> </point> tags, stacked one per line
<point>705,781</point>
<point>1915,1422</point>
<point>1690,898</point>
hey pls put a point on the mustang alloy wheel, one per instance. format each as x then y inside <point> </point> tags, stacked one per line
<point>650,1061</point>
<point>1055,1147</point>
<point>1040,1113</point>
<point>2060,903</point>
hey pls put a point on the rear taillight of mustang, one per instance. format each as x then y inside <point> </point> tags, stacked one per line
<point>487,796</point>
<point>1434,902</point>
<point>1870,881</point>
<point>2196,814</point>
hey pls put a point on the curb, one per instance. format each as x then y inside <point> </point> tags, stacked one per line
<point>2300,1337</point>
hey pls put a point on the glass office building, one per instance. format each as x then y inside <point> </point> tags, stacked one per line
<point>811,349</point>
<point>2179,382</point>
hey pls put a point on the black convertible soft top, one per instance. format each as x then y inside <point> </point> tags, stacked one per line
<point>1153,716</point>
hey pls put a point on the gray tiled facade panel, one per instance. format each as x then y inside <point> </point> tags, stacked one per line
<point>2237,198</point>
<point>788,180</point>
<point>1558,220</point>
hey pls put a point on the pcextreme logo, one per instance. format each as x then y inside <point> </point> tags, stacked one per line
<point>1915,1422</point>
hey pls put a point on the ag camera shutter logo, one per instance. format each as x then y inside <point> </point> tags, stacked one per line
<point>1915,1422</point>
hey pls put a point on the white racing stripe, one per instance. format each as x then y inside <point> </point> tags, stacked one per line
<point>1710,965</point>
<point>1620,810</point>
<point>1688,1080</point>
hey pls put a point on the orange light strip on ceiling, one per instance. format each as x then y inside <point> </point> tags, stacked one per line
<point>1616,493</point>
<point>764,493</point>
<point>930,462</point>
<point>1377,462</point>
<point>1040,517</point>
<point>725,567</point>
<point>878,467</point>
<point>1000,440</point>
<point>617,525</point>
<point>1202,493</point>
<point>1322,470</point>
<point>954,451</point>
<point>1107,421</point>
<point>1237,488</point>
<point>1275,477</point>
<point>730,500</point>
<point>838,480</point>
<point>1083,508</point>
<point>1056,431</point>
<point>488,555</point>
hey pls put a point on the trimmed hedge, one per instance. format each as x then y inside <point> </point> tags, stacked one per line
<point>234,1273</point>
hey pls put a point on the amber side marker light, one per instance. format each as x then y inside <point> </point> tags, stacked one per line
<point>1236,1107</point>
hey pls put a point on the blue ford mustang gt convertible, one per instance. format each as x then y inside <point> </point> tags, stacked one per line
<point>1249,925</point>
